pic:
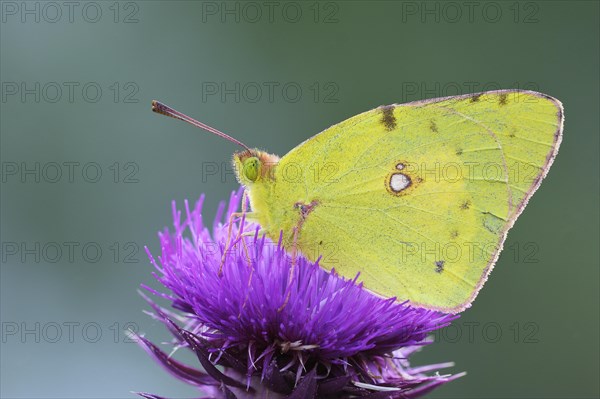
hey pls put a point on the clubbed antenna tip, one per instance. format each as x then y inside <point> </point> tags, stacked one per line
<point>164,109</point>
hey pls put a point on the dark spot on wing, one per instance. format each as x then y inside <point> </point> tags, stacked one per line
<point>433,127</point>
<point>454,234</point>
<point>305,209</point>
<point>387,118</point>
<point>459,151</point>
<point>502,99</point>
<point>475,98</point>
<point>465,205</point>
<point>439,266</point>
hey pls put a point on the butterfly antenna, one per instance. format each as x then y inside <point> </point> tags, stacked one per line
<point>163,109</point>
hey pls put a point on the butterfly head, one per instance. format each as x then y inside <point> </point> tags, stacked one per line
<point>253,165</point>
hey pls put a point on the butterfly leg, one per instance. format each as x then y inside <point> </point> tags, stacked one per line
<point>261,232</point>
<point>239,235</point>
<point>242,237</point>
<point>228,242</point>
<point>229,233</point>
<point>292,269</point>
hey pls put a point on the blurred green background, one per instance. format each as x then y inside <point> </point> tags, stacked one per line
<point>88,172</point>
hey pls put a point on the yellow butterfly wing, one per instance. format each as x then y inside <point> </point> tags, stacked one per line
<point>416,197</point>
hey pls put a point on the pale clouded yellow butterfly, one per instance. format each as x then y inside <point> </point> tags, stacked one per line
<point>417,197</point>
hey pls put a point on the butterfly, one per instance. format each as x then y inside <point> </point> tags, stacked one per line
<point>418,197</point>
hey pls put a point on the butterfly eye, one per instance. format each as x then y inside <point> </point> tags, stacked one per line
<point>251,166</point>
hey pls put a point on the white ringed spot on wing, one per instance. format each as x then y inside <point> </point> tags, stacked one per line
<point>402,179</point>
<point>399,182</point>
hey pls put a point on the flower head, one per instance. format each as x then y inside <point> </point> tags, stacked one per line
<point>281,325</point>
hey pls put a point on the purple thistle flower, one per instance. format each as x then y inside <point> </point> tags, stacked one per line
<point>318,336</point>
